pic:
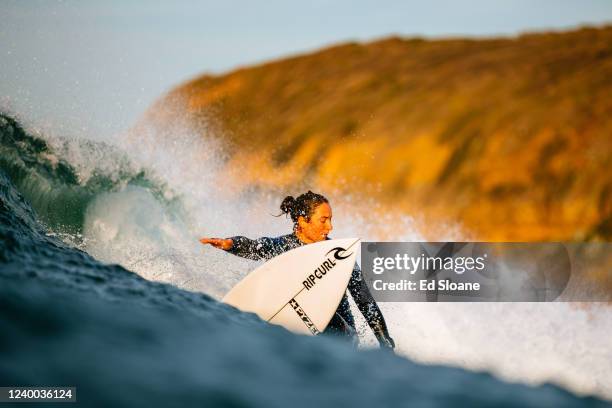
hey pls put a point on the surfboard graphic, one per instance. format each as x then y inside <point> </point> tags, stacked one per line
<point>300,289</point>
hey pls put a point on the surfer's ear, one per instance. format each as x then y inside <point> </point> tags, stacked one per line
<point>302,221</point>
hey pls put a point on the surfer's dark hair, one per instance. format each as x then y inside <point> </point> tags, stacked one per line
<point>302,206</point>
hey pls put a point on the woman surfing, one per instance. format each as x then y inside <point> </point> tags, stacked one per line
<point>312,222</point>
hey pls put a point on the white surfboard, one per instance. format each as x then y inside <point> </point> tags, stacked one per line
<point>299,289</point>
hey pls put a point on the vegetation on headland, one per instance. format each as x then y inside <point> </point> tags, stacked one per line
<point>510,137</point>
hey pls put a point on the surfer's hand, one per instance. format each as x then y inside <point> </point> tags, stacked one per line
<point>221,243</point>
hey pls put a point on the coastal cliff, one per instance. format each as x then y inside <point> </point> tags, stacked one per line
<point>510,137</point>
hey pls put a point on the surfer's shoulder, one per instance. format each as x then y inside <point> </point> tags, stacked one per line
<point>286,239</point>
<point>287,242</point>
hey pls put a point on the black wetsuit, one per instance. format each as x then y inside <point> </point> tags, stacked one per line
<point>342,322</point>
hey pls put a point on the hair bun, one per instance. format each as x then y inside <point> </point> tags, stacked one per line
<point>287,205</point>
<point>302,206</point>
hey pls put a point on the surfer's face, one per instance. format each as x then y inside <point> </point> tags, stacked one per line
<point>318,226</point>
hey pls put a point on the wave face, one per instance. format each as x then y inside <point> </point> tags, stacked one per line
<point>72,319</point>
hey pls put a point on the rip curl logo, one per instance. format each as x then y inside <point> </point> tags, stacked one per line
<point>326,266</point>
<point>300,312</point>
<point>337,251</point>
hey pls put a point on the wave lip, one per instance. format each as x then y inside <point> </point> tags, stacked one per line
<point>58,191</point>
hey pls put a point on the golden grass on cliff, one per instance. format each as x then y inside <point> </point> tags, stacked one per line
<point>510,137</point>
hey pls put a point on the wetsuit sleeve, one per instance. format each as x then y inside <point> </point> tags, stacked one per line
<point>368,307</point>
<point>256,249</point>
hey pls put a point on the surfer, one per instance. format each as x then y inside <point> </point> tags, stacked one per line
<point>312,222</point>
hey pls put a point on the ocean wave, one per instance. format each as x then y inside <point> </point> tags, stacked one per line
<point>58,191</point>
<point>88,229</point>
<point>70,320</point>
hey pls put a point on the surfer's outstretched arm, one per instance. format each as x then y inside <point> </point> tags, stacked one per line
<point>368,307</point>
<point>256,249</point>
<point>242,246</point>
<point>263,248</point>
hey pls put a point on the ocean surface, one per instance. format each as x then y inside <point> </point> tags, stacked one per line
<point>104,286</point>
